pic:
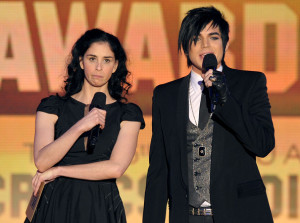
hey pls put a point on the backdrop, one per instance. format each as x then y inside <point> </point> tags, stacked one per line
<point>36,37</point>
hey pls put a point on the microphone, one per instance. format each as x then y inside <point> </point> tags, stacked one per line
<point>210,62</point>
<point>99,101</point>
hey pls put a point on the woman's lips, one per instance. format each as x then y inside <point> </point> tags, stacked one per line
<point>97,76</point>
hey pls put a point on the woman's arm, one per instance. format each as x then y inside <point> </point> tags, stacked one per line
<point>47,151</point>
<point>115,167</point>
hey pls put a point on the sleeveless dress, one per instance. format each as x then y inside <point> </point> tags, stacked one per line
<point>69,200</point>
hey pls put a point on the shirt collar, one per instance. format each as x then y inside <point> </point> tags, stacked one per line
<point>196,78</point>
<point>220,68</point>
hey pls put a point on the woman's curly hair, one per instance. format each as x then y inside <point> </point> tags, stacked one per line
<point>117,85</point>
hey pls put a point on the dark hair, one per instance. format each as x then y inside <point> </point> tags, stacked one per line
<point>117,85</point>
<point>195,21</point>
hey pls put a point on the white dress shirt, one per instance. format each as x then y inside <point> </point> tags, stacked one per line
<point>195,92</point>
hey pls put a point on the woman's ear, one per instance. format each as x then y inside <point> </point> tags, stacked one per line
<point>81,63</point>
<point>116,66</point>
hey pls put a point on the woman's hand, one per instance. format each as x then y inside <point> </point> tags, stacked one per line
<point>95,117</point>
<point>46,177</point>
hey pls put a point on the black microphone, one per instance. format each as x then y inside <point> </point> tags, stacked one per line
<point>210,62</point>
<point>99,101</point>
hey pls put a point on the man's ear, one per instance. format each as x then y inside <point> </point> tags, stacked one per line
<point>81,63</point>
<point>226,48</point>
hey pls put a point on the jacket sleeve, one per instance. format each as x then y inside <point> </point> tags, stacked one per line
<point>250,119</point>
<point>156,194</point>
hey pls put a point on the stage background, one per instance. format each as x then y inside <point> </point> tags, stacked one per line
<point>36,37</point>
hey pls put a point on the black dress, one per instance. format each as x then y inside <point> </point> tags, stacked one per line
<point>69,200</point>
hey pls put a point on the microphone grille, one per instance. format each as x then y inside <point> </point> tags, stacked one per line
<point>209,62</point>
<point>99,100</point>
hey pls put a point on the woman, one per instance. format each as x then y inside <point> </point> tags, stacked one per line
<point>81,186</point>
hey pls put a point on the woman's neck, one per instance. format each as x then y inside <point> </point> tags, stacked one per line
<point>87,93</point>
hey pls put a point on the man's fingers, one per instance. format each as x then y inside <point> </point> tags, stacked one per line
<point>212,78</point>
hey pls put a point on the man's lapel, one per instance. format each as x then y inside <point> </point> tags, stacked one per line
<point>182,117</point>
<point>219,139</point>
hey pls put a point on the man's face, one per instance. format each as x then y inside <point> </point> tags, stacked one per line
<point>208,41</point>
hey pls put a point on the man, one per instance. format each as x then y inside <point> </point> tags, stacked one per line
<point>203,160</point>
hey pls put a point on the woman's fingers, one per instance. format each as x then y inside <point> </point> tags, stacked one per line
<point>37,183</point>
<point>94,117</point>
<point>35,180</point>
<point>99,117</point>
<point>48,181</point>
<point>46,177</point>
<point>36,189</point>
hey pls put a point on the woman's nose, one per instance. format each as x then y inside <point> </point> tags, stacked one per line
<point>99,66</point>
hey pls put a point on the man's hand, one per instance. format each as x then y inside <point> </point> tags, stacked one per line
<point>219,88</point>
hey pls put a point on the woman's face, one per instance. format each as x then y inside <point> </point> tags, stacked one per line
<point>98,64</point>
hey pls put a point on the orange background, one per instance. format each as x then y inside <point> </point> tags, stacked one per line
<point>36,37</point>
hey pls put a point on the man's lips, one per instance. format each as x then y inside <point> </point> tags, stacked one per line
<point>202,55</point>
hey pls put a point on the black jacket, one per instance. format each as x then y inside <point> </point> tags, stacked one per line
<point>243,129</point>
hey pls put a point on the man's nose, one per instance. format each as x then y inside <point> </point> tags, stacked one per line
<point>205,42</point>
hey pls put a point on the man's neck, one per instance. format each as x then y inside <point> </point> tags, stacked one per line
<point>200,73</point>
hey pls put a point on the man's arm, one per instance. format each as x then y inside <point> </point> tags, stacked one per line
<point>156,194</point>
<point>251,120</point>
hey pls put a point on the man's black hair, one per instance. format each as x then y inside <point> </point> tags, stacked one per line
<point>195,21</point>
